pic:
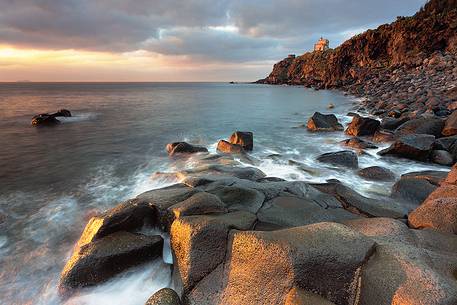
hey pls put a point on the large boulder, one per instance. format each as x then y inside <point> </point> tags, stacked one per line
<point>323,122</point>
<point>393,123</point>
<point>229,148</point>
<point>412,190</point>
<point>165,296</point>
<point>430,126</point>
<point>98,261</point>
<point>184,148</point>
<point>376,173</point>
<point>439,214</point>
<point>416,147</point>
<point>243,138</point>
<point>344,158</point>
<point>362,126</point>
<point>199,243</point>
<point>450,126</point>
<point>322,258</point>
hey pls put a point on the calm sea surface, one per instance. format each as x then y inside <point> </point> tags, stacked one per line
<point>52,179</point>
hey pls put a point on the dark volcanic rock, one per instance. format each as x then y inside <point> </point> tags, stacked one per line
<point>98,261</point>
<point>184,148</point>
<point>416,147</point>
<point>243,138</point>
<point>376,173</point>
<point>361,126</point>
<point>164,296</point>
<point>450,127</point>
<point>341,158</point>
<point>229,148</point>
<point>323,122</point>
<point>430,126</point>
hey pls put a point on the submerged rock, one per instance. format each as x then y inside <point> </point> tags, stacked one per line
<point>344,158</point>
<point>243,138</point>
<point>361,126</point>
<point>184,148</point>
<point>98,261</point>
<point>323,122</point>
<point>376,173</point>
<point>165,296</point>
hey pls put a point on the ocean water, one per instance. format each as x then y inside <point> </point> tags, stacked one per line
<point>53,179</point>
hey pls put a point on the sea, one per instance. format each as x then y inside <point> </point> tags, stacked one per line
<point>53,179</point>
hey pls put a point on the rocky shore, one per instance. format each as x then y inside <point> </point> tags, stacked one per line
<point>240,237</point>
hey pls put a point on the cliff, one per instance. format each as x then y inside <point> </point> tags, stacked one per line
<point>405,43</point>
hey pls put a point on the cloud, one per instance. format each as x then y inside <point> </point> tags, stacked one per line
<point>223,31</point>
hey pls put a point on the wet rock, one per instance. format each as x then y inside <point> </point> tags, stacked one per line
<point>362,126</point>
<point>184,148</point>
<point>344,158</point>
<point>358,143</point>
<point>330,106</point>
<point>450,126</point>
<point>263,266</point>
<point>382,136</point>
<point>63,113</point>
<point>442,157</point>
<point>228,148</point>
<point>445,143</point>
<point>416,147</point>
<point>100,260</point>
<point>323,122</point>
<point>392,124</point>
<point>243,138</point>
<point>432,176</point>
<point>376,173</point>
<point>198,204</point>
<point>199,243</point>
<point>215,172</point>
<point>239,198</point>
<point>49,119</point>
<point>412,190</point>
<point>293,212</point>
<point>429,126</point>
<point>165,296</point>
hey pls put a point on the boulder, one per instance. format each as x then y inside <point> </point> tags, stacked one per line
<point>98,261</point>
<point>229,148</point>
<point>416,147</point>
<point>298,296</point>
<point>243,138</point>
<point>439,214</point>
<point>323,122</point>
<point>376,173</point>
<point>198,204</point>
<point>382,136</point>
<point>184,148</point>
<point>44,119</point>
<point>165,296</point>
<point>215,172</point>
<point>321,258</point>
<point>432,176</point>
<point>199,243</point>
<point>344,158</point>
<point>442,157</point>
<point>63,113</point>
<point>451,177</point>
<point>445,143</point>
<point>239,197</point>
<point>450,126</point>
<point>429,126</point>
<point>362,126</point>
<point>412,190</point>
<point>358,143</point>
<point>294,212</point>
<point>393,123</point>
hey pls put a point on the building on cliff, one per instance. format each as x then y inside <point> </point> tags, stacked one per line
<point>321,45</point>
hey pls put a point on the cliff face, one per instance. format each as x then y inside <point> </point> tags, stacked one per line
<point>405,42</point>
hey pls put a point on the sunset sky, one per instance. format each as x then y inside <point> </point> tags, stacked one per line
<point>197,40</point>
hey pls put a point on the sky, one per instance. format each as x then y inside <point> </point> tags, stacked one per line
<point>171,40</point>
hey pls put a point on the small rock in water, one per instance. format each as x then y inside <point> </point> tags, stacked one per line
<point>243,138</point>
<point>330,106</point>
<point>165,296</point>
<point>323,122</point>
<point>361,126</point>
<point>46,119</point>
<point>229,148</point>
<point>376,173</point>
<point>184,148</point>
<point>344,158</point>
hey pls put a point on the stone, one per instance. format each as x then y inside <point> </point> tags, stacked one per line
<point>376,173</point>
<point>362,126</point>
<point>392,124</point>
<point>412,191</point>
<point>416,147</point>
<point>358,143</point>
<point>451,177</point>
<point>198,204</point>
<point>229,148</point>
<point>445,143</point>
<point>298,296</point>
<point>165,296</point>
<point>450,126</point>
<point>294,212</point>
<point>98,261</point>
<point>199,243</point>
<point>433,176</point>
<point>239,198</point>
<point>216,172</point>
<point>46,119</point>
<point>184,148</point>
<point>442,157</point>
<point>382,136</point>
<point>323,122</point>
<point>243,138</point>
<point>323,258</point>
<point>429,126</point>
<point>344,158</point>
<point>439,214</point>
